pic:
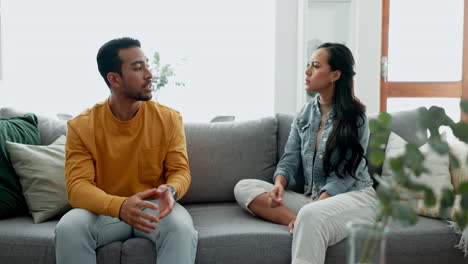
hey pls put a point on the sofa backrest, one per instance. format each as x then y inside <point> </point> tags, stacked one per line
<point>221,154</point>
<point>406,124</point>
<point>49,128</point>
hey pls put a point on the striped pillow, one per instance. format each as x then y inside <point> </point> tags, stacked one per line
<point>437,178</point>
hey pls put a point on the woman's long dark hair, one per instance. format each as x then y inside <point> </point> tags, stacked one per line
<point>349,115</point>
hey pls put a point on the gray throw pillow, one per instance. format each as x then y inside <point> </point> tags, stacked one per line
<point>41,173</point>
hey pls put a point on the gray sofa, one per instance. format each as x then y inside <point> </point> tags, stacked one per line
<point>220,155</point>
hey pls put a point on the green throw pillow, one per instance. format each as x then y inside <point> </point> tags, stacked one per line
<point>20,130</point>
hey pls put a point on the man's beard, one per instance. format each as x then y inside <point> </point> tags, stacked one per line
<point>138,96</point>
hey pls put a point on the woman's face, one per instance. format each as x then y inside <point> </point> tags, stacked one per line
<point>319,76</point>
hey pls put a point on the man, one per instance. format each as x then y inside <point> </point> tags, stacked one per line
<point>126,162</point>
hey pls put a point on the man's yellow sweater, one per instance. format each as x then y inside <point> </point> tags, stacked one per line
<point>108,160</point>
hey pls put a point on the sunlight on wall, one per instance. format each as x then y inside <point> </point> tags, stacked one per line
<point>50,48</point>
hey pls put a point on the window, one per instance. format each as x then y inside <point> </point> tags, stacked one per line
<point>424,55</point>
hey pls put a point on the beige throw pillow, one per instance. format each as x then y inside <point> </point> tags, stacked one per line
<point>41,173</point>
<point>437,178</point>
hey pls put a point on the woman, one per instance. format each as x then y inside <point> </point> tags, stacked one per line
<point>328,140</point>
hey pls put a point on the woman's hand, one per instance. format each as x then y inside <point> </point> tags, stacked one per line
<point>275,195</point>
<point>291,226</point>
<point>324,195</point>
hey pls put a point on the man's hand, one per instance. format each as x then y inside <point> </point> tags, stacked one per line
<point>131,212</point>
<point>166,201</point>
<point>275,195</point>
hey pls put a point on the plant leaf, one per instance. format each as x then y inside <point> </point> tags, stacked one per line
<point>463,189</point>
<point>377,158</point>
<point>404,213</point>
<point>374,126</point>
<point>462,220</point>
<point>396,164</point>
<point>460,130</point>
<point>439,145</point>
<point>464,105</point>
<point>454,163</point>
<point>429,198</point>
<point>385,118</point>
<point>448,198</point>
<point>412,156</point>
<point>385,194</point>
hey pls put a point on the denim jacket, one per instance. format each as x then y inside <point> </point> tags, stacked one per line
<point>300,150</point>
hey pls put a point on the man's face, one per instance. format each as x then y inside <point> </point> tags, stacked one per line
<point>136,75</point>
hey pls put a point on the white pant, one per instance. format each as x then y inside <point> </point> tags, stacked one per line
<point>319,224</point>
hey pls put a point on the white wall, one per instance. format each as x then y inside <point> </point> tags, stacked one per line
<point>50,47</point>
<point>286,56</point>
<point>365,44</point>
<point>368,39</point>
<point>247,69</point>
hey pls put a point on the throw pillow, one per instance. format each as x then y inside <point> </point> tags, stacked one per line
<point>460,174</point>
<point>437,178</point>
<point>419,207</point>
<point>21,130</point>
<point>41,173</point>
<point>49,128</point>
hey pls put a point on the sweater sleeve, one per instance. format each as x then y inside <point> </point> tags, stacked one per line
<point>176,163</point>
<point>79,177</point>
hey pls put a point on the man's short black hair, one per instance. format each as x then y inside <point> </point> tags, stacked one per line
<point>108,59</point>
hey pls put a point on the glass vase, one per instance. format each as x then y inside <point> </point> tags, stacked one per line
<point>366,242</point>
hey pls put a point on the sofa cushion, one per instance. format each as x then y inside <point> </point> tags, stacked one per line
<point>429,241</point>
<point>50,128</point>
<point>21,130</point>
<point>137,251</point>
<point>41,173</point>
<point>221,154</point>
<point>22,241</point>
<point>228,234</point>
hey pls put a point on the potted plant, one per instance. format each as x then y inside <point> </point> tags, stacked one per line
<point>163,75</point>
<point>397,194</point>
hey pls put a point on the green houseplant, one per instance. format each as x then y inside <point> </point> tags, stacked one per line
<point>163,74</point>
<point>390,189</point>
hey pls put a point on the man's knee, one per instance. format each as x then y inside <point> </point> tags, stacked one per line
<point>74,223</point>
<point>179,226</point>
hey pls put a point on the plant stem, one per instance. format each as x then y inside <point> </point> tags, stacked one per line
<point>364,257</point>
